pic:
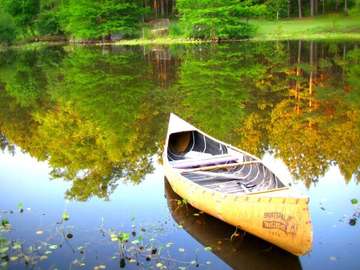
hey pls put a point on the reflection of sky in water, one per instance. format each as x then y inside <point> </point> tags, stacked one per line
<point>23,179</point>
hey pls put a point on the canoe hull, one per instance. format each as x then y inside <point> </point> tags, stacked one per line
<point>273,216</point>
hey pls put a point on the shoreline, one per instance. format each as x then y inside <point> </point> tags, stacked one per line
<point>179,41</point>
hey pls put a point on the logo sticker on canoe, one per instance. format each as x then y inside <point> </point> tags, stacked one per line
<point>277,220</point>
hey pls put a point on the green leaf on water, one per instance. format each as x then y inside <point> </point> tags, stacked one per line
<point>20,207</point>
<point>354,201</point>
<point>5,222</point>
<point>135,242</point>
<point>114,237</point>
<point>65,216</point>
<point>4,250</point>
<point>53,247</point>
<point>159,265</point>
<point>124,236</point>
<point>16,245</point>
<point>207,248</point>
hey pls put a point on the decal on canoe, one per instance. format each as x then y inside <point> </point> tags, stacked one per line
<point>278,221</point>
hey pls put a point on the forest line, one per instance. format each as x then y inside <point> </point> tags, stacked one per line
<point>111,20</point>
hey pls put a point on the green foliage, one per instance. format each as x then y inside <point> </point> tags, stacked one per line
<point>277,8</point>
<point>7,28</point>
<point>48,20</point>
<point>175,29</point>
<point>220,19</point>
<point>99,19</point>
<point>23,12</point>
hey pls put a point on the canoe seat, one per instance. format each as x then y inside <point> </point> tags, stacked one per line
<point>205,161</point>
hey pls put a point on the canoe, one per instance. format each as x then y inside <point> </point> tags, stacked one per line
<point>235,187</point>
<point>243,251</point>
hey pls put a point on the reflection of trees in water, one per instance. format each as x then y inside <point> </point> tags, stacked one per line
<point>316,125</point>
<point>164,66</point>
<point>100,115</point>
<point>94,128</point>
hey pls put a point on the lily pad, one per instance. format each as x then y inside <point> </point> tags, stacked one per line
<point>17,245</point>
<point>53,247</point>
<point>4,250</point>
<point>124,236</point>
<point>354,201</point>
<point>20,207</point>
<point>5,222</point>
<point>65,216</point>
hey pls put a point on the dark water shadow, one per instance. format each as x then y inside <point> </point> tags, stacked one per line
<point>243,252</point>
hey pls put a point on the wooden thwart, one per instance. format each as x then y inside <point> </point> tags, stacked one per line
<point>207,168</point>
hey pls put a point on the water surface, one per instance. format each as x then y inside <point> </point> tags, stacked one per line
<point>82,131</point>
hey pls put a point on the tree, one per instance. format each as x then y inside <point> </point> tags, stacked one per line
<point>219,19</point>
<point>277,8</point>
<point>48,21</point>
<point>97,19</point>
<point>23,12</point>
<point>7,28</point>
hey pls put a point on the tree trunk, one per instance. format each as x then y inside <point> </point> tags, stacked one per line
<point>299,6</point>
<point>173,7</point>
<point>288,9</point>
<point>155,7</point>
<point>162,10</point>
<point>311,73</point>
<point>297,86</point>
<point>312,8</point>
<point>346,11</point>
<point>323,7</point>
<point>337,5</point>
<point>316,7</point>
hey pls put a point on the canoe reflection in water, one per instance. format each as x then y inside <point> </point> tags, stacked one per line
<point>244,251</point>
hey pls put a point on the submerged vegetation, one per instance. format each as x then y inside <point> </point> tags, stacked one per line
<point>140,246</point>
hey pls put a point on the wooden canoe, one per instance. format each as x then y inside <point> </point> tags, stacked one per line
<point>235,187</point>
<point>240,252</point>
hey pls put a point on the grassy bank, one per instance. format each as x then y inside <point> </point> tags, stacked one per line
<point>321,27</point>
<point>330,27</point>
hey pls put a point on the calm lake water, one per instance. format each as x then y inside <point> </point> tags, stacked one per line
<point>82,130</point>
